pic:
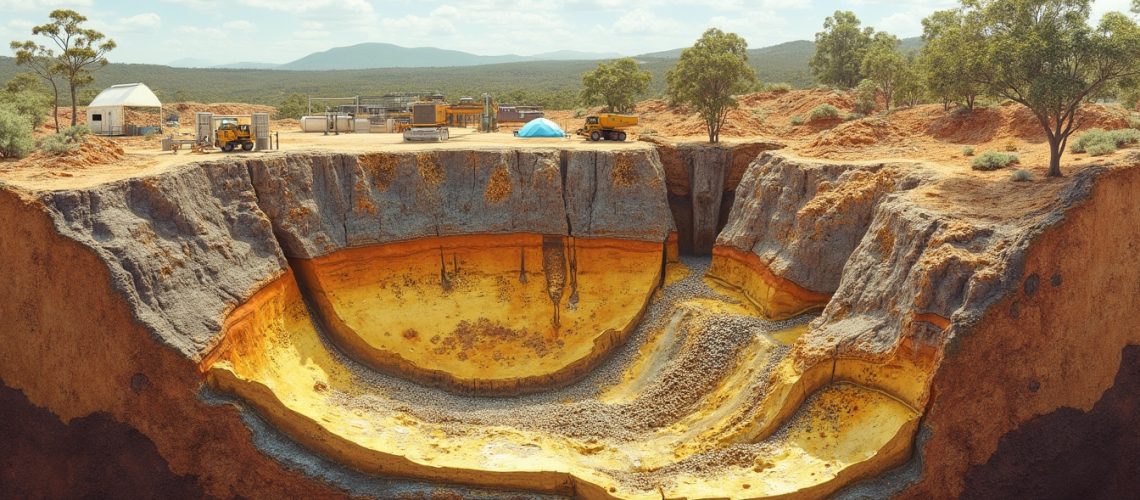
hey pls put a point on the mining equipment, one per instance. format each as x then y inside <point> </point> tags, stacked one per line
<point>607,126</point>
<point>429,122</point>
<point>231,135</point>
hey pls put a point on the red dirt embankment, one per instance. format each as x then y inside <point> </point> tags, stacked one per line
<point>85,331</point>
<point>1064,327</point>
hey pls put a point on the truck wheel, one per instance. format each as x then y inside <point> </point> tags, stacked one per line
<point>247,146</point>
<point>227,147</point>
<point>595,136</point>
<point>621,136</point>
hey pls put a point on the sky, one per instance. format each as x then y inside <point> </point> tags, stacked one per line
<point>280,31</point>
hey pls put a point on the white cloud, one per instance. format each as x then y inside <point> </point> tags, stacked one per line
<point>26,5</point>
<point>140,22</point>
<point>239,25</point>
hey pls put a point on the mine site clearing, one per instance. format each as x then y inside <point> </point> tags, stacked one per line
<point>402,301</point>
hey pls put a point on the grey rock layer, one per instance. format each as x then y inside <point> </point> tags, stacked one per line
<point>188,245</point>
<point>804,218</point>
<point>330,202</point>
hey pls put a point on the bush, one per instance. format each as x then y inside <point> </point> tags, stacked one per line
<point>779,88</point>
<point>1101,149</point>
<point>993,160</point>
<point>854,116</point>
<point>66,141</point>
<point>15,134</point>
<point>797,120</point>
<point>824,112</point>
<point>1010,146</point>
<point>57,144</point>
<point>1098,142</point>
<point>1021,175</point>
<point>968,151</point>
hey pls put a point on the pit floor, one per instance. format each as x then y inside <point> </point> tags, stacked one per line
<point>693,405</point>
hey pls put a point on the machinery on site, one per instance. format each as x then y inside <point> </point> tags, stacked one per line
<point>607,126</point>
<point>429,122</point>
<point>231,135</point>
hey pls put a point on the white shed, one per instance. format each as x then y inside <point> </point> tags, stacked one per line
<point>107,114</point>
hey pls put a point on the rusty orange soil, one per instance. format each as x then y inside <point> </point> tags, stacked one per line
<point>774,296</point>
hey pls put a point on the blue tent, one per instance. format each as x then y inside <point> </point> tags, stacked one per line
<point>541,127</point>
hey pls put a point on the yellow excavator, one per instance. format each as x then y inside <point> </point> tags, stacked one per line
<point>230,135</point>
<point>607,126</point>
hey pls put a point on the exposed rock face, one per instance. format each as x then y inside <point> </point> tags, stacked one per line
<point>994,296</point>
<point>804,218</point>
<point>385,197</point>
<point>181,249</point>
<point>702,180</point>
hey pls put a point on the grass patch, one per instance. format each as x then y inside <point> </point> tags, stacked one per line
<point>968,151</point>
<point>993,160</point>
<point>797,120</point>
<point>1097,142</point>
<point>1021,175</point>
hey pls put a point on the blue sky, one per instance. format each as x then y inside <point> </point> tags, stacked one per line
<point>279,31</point>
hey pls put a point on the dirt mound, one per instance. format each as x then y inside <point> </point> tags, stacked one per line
<point>93,152</point>
<point>186,110</point>
<point>995,123</point>
<point>858,133</point>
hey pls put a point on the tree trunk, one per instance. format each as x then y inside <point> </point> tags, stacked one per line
<point>74,107</point>
<point>55,105</point>
<point>1055,152</point>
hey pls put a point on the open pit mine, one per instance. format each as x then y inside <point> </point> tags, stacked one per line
<point>660,321</point>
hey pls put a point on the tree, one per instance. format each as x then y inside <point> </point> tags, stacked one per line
<point>952,57</point>
<point>294,106</point>
<point>617,85</point>
<point>910,89</point>
<point>707,76</point>
<point>80,49</point>
<point>41,60</point>
<point>15,134</point>
<point>839,50</point>
<point>884,65</point>
<point>1044,55</point>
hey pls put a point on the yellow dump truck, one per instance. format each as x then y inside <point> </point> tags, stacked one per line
<point>607,126</point>
<point>429,122</point>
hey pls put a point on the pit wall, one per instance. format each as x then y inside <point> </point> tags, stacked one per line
<point>115,292</point>
<point>1052,341</point>
<point>702,181</point>
<point>913,269</point>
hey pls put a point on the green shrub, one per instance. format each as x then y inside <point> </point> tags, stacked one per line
<point>57,144</point>
<point>76,133</point>
<point>824,112</point>
<point>993,160</point>
<point>15,134</point>
<point>797,120</point>
<point>1100,148</point>
<point>779,88</point>
<point>1104,141</point>
<point>968,151</point>
<point>1021,175</point>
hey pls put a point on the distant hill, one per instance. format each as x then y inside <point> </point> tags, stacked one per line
<point>786,62</point>
<point>554,84</point>
<point>246,65</point>
<point>386,55</point>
